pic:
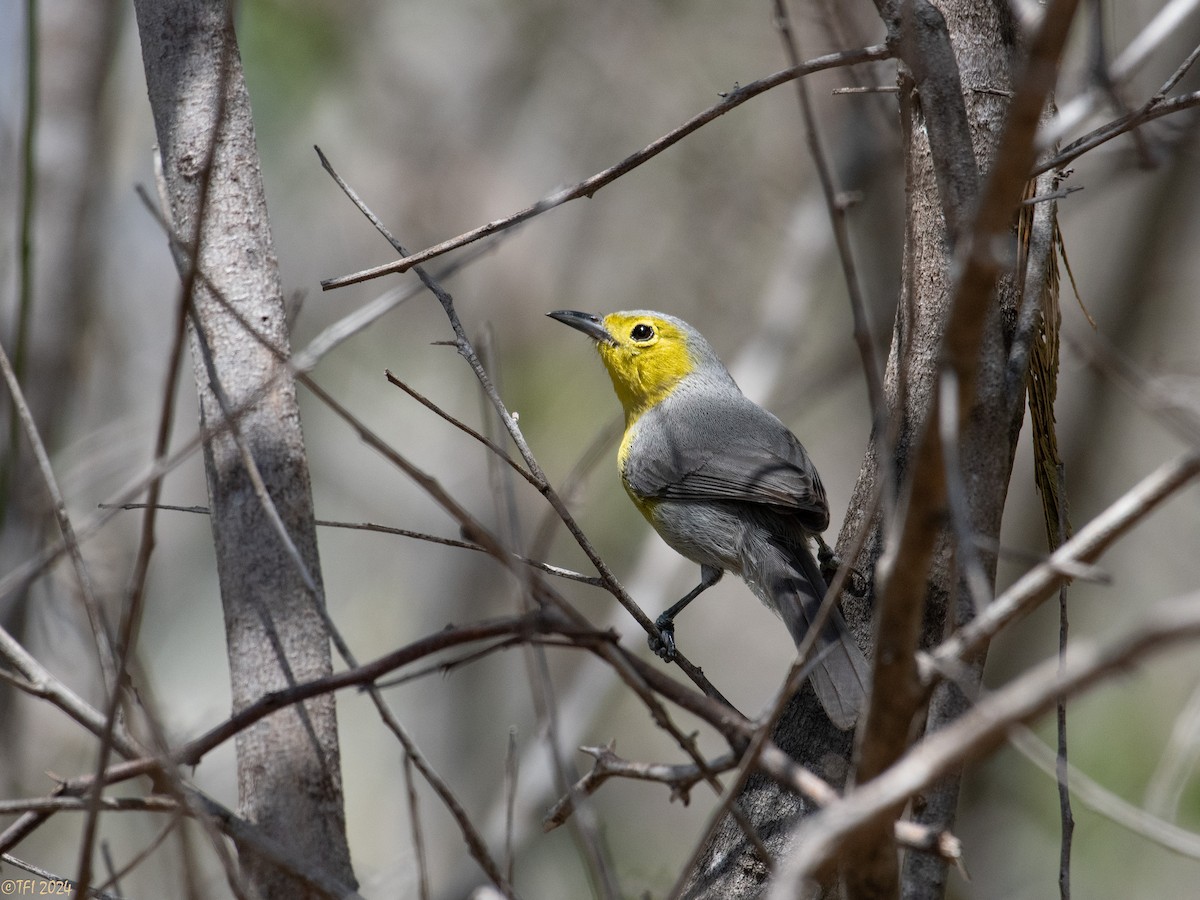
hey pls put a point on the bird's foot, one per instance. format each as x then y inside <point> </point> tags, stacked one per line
<point>856,583</point>
<point>664,646</point>
<point>829,561</point>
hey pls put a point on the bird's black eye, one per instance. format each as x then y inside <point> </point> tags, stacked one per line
<point>641,332</point>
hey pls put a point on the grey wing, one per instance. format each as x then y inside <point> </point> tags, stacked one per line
<point>739,452</point>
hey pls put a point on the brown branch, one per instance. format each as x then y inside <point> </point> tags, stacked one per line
<point>548,568</point>
<point>835,205</point>
<point>679,778</point>
<point>589,186</point>
<point>1040,583</point>
<point>1116,128</point>
<point>496,450</point>
<point>872,805</point>
<point>536,475</point>
<point>903,571</point>
<point>105,653</point>
<point>192,752</point>
<point>152,803</point>
<point>682,778</point>
<point>115,874</point>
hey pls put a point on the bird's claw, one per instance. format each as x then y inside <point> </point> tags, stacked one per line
<point>663,646</point>
<point>856,584</point>
<point>829,561</point>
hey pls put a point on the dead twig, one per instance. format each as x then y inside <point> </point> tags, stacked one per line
<point>589,186</point>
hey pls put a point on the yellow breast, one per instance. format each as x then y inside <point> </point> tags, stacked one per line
<point>645,505</point>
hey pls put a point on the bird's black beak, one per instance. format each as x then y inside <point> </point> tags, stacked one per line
<point>586,322</point>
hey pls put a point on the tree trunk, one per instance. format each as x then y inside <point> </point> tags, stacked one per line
<point>289,776</point>
<point>940,200</point>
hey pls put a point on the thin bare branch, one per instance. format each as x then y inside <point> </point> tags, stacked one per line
<point>115,874</point>
<point>1101,800</point>
<point>548,568</point>
<point>466,350</point>
<point>867,89</point>
<point>679,778</point>
<point>864,336</point>
<point>1136,53</point>
<point>104,648</point>
<point>153,803</point>
<point>1087,545</point>
<point>1117,127</point>
<point>682,778</point>
<point>497,450</point>
<point>588,187</point>
<point>978,732</point>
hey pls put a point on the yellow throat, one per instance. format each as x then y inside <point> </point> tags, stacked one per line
<point>647,356</point>
<point>646,360</point>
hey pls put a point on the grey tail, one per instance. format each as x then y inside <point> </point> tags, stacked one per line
<point>842,674</point>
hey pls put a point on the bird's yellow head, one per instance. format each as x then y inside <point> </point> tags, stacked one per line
<point>646,353</point>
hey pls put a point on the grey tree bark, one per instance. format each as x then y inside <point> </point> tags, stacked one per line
<point>289,775</point>
<point>954,95</point>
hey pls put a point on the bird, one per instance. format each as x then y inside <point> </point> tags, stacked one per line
<point>724,483</point>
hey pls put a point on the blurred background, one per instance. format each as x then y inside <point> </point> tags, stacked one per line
<point>446,115</point>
